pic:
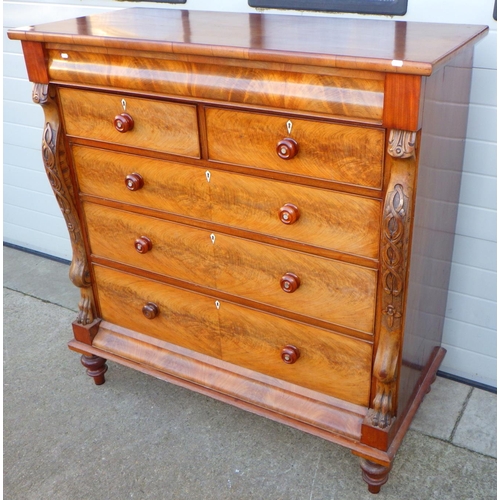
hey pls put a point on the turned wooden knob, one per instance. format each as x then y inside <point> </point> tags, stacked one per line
<point>150,310</point>
<point>289,213</point>
<point>290,354</point>
<point>143,244</point>
<point>123,122</point>
<point>287,148</point>
<point>289,282</point>
<point>134,182</point>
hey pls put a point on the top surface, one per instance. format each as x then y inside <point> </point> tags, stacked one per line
<point>383,45</point>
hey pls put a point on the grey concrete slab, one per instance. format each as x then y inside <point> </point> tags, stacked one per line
<point>477,428</point>
<point>139,437</point>
<point>441,408</point>
<point>39,277</point>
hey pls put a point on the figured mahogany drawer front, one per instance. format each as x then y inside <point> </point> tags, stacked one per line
<point>126,300</point>
<point>342,153</point>
<point>325,289</point>
<point>176,250</point>
<point>329,290</point>
<point>167,186</point>
<point>142,123</point>
<point>326,219</point>
<point>327,362</point>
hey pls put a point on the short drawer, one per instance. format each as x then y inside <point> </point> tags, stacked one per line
<point>168,313</point>
<point>156,125</point>
<point>318,217</point>
<point>327,362</point>
<point>341,153</point>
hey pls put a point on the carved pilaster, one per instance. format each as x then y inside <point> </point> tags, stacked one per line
<point>54,160</point>
<point>393,271</point>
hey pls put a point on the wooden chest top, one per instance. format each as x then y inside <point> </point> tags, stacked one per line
<point>389,46</point>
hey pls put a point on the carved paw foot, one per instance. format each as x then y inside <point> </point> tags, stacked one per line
<point>382,406</point>
<point>96,367</point>
<point>85,316</point>
<point>375,475</point>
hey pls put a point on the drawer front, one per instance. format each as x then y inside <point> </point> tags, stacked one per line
<point>157,125</point>
<point>341,153</point>
<point>326,219</point>
<point>183,318</point>
<point>167,186</point>
<point>318,217</point>
<point>174,249</point>
<point>329,363</point>
<point>329,290</point>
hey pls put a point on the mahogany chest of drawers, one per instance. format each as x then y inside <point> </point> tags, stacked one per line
<point>261,207</point>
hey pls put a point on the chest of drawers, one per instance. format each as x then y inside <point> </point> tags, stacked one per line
<point>261,208</point>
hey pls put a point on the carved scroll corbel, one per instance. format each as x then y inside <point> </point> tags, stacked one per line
<point>402,143</point>
<point>393,270</point>
<point>56,168</point>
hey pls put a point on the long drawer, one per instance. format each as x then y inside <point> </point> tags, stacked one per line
<point>319,360</point>
<point>156,125</point>
<point>342,153</point>
<point>328,290</point>
<point>179,319</point>
<point>319,217</point>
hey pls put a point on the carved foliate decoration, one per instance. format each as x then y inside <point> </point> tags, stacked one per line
<point>402,143</point>
<point>40,93</point>
<point>394,251</point>
<point>393,255</point>
<point>56,168</point>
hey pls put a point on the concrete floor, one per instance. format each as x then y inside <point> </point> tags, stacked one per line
<point>138,437</point>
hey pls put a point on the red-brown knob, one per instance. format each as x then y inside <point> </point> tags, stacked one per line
<point>287,148</point>
<point>134,182</point>
<point>289,282</point>
<point>123,122</point>
<point>289,213</point>
<point>290,354</point>
<point>150,310</point>
<point>143,244</point>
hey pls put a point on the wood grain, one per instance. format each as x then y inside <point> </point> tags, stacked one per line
<point>341,96</point>
<point>342,153</point>
<point>168,186</point>
<point>403,101</point>
<point>158,125</point>
<point>329,417</point>
<point>35,57</point>
<point>186,319</point>
<point>287,39</point>
<point>177,250</point>
<point>328,219</point>
<point>329,363</point>
<point>332,291</point>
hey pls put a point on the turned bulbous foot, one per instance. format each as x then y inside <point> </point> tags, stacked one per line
<point>96,367</point>
<point>374,475</point>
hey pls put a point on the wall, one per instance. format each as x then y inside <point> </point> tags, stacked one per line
<point>33,220</point>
